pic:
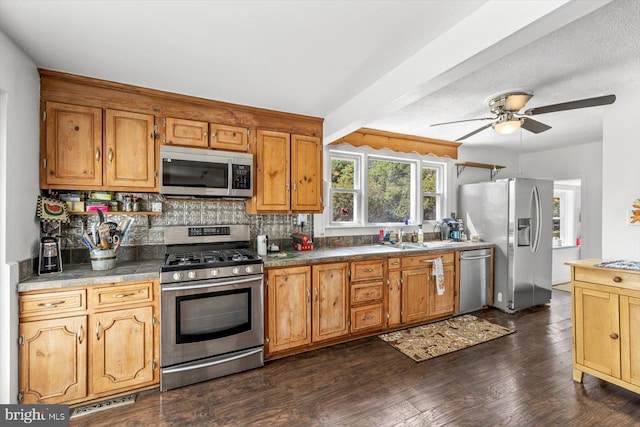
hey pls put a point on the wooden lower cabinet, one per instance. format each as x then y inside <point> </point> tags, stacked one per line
<point>95,349</point>
<point>306,305</point>
<point>412,293</point>
<point>289,308</point>
<point>53,360</point>
<point>606,318</point>
<point>330,301</point>
<point>122,348</point>
<point>367,296</point>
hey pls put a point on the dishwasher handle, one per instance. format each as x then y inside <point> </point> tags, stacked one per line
<point>475,257</point>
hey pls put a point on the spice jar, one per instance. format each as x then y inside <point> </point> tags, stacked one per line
<point>135,204</point>
<point>128,204</point>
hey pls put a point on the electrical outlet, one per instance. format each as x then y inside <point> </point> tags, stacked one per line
<point>499,296</point>
<point>302,219</point>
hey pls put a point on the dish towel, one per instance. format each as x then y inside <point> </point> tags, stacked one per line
<point>438,271</point>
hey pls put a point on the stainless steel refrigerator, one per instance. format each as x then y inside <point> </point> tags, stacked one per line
<point>516,215</point>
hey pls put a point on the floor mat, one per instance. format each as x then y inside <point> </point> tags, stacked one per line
<point>102,406</point>
<point>434,339</point>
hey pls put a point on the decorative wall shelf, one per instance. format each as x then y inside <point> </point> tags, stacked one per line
<point>494,169</point>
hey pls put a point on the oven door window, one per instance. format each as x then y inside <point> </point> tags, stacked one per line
<point>212,315</point>
<point>188,173</point>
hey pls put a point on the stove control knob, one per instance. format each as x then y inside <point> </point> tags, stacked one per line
<point>177,276</point>
<point>215,272</point>
<point>235,270</point>
<point>249,269</point>
<point>192,275</point>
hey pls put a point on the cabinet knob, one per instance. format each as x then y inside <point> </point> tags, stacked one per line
<point>613,336</point>
<point>617,279</point>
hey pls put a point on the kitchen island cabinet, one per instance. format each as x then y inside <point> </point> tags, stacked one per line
<point>81,344</point>
<point>606,318</point>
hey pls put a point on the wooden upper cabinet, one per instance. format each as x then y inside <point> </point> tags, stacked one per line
<point>129,149</point>
<point>225,137</point>
<point>189,133</point>
<point>306,173</point>
<point>273,171</point>
<point>72,146</point>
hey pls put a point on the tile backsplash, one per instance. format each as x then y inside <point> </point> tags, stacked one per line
<point>146,236</point>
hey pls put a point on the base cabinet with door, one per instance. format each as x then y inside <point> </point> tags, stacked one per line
<point>606,318</point>
<point>413,295</point>
<point>86,343</point>
<point>306,305</point>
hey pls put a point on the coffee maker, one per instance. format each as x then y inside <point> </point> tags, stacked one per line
<point>449,229</point>
<point>50,260</point>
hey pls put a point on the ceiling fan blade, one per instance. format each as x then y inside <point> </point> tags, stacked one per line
<point>475,131</point>
<point>534,125</point>
<point>516,101</point>
<point>462,121</point>
<point>572,105</point>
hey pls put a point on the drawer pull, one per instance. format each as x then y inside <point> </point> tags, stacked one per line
<point>617,279</point>
<point>426,260</point>
<point>367,318</point>
<point>367,270</point>
<point>130,294</point>
<point>613,336</point>
<point>51,304</point>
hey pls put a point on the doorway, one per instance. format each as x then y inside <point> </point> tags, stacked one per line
<point>567,227</point>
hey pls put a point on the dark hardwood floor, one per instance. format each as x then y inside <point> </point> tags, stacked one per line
<point>524,379</point>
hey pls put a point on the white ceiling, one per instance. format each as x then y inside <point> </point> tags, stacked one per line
<point>391,65</point>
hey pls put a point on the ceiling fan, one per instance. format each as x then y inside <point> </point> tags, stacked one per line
<point>507,118</point>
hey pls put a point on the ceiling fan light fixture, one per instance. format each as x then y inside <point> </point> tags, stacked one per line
<point>507,126</point>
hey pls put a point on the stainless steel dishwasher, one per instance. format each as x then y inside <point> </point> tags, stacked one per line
<point>475,271</point>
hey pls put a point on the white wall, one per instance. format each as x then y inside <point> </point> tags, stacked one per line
<point>19,146</point>
<point>580,161</point>
<point>621,175</point>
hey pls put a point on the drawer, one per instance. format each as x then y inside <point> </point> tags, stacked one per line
<point>366,292</point>
<point>367,317</point>
<point>52,302</point>
<point>394,263</point>
<point>426,260</point>
<point>121,294</point>
<point>367,270</point>
<point>608,277</point>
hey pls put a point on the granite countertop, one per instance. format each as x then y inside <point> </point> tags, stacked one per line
<point>354,253</point>
<point>82,275</point>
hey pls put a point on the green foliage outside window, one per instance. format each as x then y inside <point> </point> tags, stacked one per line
<point>389,188</point>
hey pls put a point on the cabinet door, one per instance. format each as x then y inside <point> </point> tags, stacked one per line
<point>122,349</point>
<point>441,305</point>
<point>289,310</point>
<point>224,137</point>
<point>129,149</point>
<point>273,171</point>
<point>73,146</point>
<point>53,360</point>
<point>597,330</point>
<point>415,294</point>
<point>189,133</point>
<point>306,173</point>
<point>630,339</point>
<point>330,301</point>
<point>395,299</point>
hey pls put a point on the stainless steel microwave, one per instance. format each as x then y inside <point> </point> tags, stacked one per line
<point>198,172</point>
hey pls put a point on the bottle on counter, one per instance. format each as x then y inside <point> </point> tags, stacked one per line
<point>420,234</point>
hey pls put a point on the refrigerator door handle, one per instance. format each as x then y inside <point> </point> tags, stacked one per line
<point>537,215</point>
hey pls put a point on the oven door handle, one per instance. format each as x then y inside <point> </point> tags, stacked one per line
<point>214,363</point>
<point>209,285</point>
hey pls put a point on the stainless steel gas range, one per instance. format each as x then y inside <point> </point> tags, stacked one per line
<point>211,304</point>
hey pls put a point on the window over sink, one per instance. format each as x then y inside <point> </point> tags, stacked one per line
<point>370,189</point>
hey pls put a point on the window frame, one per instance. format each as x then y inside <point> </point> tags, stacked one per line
<point>361,156</point>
